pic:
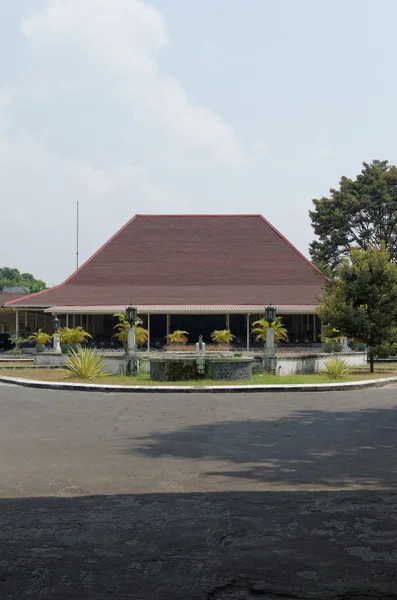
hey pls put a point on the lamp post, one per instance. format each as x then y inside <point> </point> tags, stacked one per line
<point>56,325</point>
<point>132,361</point>
<point>270,362</point>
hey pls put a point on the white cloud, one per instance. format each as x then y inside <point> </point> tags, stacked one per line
<point>119,40</point>
<point>167,155</point>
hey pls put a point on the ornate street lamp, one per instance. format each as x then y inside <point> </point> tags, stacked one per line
<point>270,313</point>
<point>56,324</point>
<point>132,315</point>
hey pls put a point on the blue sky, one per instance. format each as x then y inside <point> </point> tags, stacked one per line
<point>209,107</point>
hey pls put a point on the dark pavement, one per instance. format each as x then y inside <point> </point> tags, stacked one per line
<point>213,496</point>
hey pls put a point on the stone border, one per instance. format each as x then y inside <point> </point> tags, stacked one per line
<point>92,387</point>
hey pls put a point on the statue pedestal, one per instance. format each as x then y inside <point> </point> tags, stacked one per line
<point>57,344</point>
<point>270,360</point>
<point>132,366</point>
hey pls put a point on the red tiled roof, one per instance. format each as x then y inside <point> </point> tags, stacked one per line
<point>9,296</point>
<point>190,259</point>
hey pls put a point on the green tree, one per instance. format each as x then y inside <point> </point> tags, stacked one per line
<point>362,301</point>
<point>13,278</point>
<point>362,213</point>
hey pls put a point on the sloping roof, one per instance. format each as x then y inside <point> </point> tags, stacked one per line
<point>9,296</point>
<point>190,259</point>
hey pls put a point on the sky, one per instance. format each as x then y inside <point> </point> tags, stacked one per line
<point>171,106</point>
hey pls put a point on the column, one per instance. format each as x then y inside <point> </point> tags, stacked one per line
<point>148,332</point>
<point>67,320</point>
<point>314,329</point>
<point>26,319</point>
<point>74,321</point>
<point>16,322</point>
<point>168,326</point>
<point>35,321</point>
<point>248,332</point>
<point>228,322</point>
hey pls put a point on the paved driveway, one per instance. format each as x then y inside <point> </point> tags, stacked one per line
<point>210,497</point>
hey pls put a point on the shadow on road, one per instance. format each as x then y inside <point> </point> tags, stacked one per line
<point>333,450</point>
<point>262,545</point>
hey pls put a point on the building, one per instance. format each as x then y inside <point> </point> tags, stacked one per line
<point>191,272</point>
<point>7,315</point>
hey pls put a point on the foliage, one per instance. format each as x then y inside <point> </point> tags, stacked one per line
<point>362,213</point>
<point>76,335</point>
<point>330,334</point>
<point>362,301</point>
<point>178,337</point>
<point>141,334</point>
<point>260,327</point>
<point>18,342</point>
<point>85,364</point>
<point>65,335</point>
<point>336,368</point>
<point>39,337</point>
<point>222,336</point>
<point>13,278</point>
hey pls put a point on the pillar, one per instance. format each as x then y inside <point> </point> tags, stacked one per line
<point>248,332</point>
<point>74,321</point>
<point>26,319</point>
<point>67,320</point>
<point>314,329</point>
<point>16,322</point>
<point>228,322</point>
<point>168,326</point>
<point>148,332</point>
<point>35,321</point>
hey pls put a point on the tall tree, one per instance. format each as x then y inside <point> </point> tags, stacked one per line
<point>13,278</point>
<point>362,300</point>
<point>362,213</point>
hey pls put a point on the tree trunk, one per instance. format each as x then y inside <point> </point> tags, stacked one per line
<point>371,363</point>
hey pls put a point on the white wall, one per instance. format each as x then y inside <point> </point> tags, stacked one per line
<point>314,364</point>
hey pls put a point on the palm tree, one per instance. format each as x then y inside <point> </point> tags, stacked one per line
<point>260,327</point>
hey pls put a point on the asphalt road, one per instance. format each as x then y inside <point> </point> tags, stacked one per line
<point>203,497</point>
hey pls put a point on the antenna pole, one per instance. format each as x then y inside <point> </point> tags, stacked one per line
<point>77,235</point>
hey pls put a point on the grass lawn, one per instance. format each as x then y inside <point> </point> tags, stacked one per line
<point>60,375</point>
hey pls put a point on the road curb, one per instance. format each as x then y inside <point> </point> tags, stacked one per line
<point>148,389</point>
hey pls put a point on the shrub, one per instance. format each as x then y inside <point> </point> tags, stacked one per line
<point>85,364</point>
<point>40,337</point>
<point>78,335</point>
<point>178,337</point>
<point>336,368</point>
<point>18,342</point>
<point>222,336</point>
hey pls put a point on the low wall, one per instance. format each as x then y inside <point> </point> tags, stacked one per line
<point>113,364</point>
<point>286,364</point>
<point>236,369</point>
<point>313,363</point>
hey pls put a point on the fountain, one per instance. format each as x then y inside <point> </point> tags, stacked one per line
<point>189,366</point>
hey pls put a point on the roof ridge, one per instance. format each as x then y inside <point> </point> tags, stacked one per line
<point>198,215</point>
